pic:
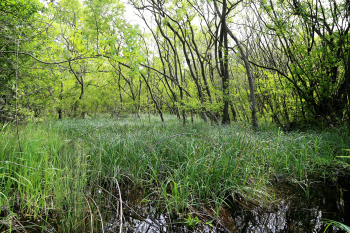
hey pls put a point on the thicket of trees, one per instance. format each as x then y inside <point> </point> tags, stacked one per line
<point>280,60</point>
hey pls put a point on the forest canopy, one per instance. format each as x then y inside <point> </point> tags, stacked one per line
<point>281,61</point>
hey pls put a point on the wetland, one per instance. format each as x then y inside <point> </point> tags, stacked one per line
<point>111,175</point>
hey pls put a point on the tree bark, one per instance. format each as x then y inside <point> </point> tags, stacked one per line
<point>223,57</point>
<point>249,74</point>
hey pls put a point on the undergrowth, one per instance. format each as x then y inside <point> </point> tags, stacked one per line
<point>63,175</point>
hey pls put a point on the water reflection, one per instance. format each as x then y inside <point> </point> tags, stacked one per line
<point>301,209</point>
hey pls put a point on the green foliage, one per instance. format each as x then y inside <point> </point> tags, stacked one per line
<point>20,22</point>
<point>192,222</point>
<point>336,224</point>
<point>311,61</point>
<point>22,9</point>
<point>64,161</point>
<point>108,57</point>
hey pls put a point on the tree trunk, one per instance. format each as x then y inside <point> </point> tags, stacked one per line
<point>59,111</point>
<point>234,113</point>
<point>82,92</point>
<point>223,57</point>
<point>249,74</point>
<point>153,98</point>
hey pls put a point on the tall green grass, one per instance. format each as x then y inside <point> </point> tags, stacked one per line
<point>57,178</point>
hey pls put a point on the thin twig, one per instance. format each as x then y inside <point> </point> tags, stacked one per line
<point>110,202</point>
<point>18,164</point>
<point>98,210</point>
<point>92,227</point>
<point>121,206</point>
<point>16,103</point>
<point>132,210</point>
<point>14,216</point>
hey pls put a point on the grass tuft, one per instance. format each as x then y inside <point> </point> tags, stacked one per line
<point>68,170</point>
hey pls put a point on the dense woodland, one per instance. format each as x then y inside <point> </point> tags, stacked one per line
<point>84,92</point>
<point>283,61</point>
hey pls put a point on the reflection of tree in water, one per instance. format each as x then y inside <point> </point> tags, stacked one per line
<point>327,200</point>
<point>295,212</point>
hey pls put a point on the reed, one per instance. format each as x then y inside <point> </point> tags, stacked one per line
<point>69,172</point>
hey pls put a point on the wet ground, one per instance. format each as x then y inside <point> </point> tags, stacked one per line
<point>302,208</point>
<point>298,207</point>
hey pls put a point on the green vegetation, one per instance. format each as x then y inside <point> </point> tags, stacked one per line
<point>57,178</point>
<point>81,58</point>
<point>228,97</point>
<point>337,224</point>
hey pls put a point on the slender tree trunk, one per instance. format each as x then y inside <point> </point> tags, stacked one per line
<point>153,98</point>
<point>82,92</point>
<point>223,56</point>
<point>249,74</point>
<point>234,113</point>
<point>191,116</point>
<point>149,107</point>
<point>60,98</point>
<point>347,84</point>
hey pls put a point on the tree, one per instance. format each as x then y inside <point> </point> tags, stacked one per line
<point>313,47</point>
<point>20,25</point>
<point>246,63</point>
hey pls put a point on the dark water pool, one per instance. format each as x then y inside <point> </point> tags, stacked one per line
<point>300,207</point>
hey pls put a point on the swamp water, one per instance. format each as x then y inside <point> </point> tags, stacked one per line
<point>299,207</point>
<point>302,208</point>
